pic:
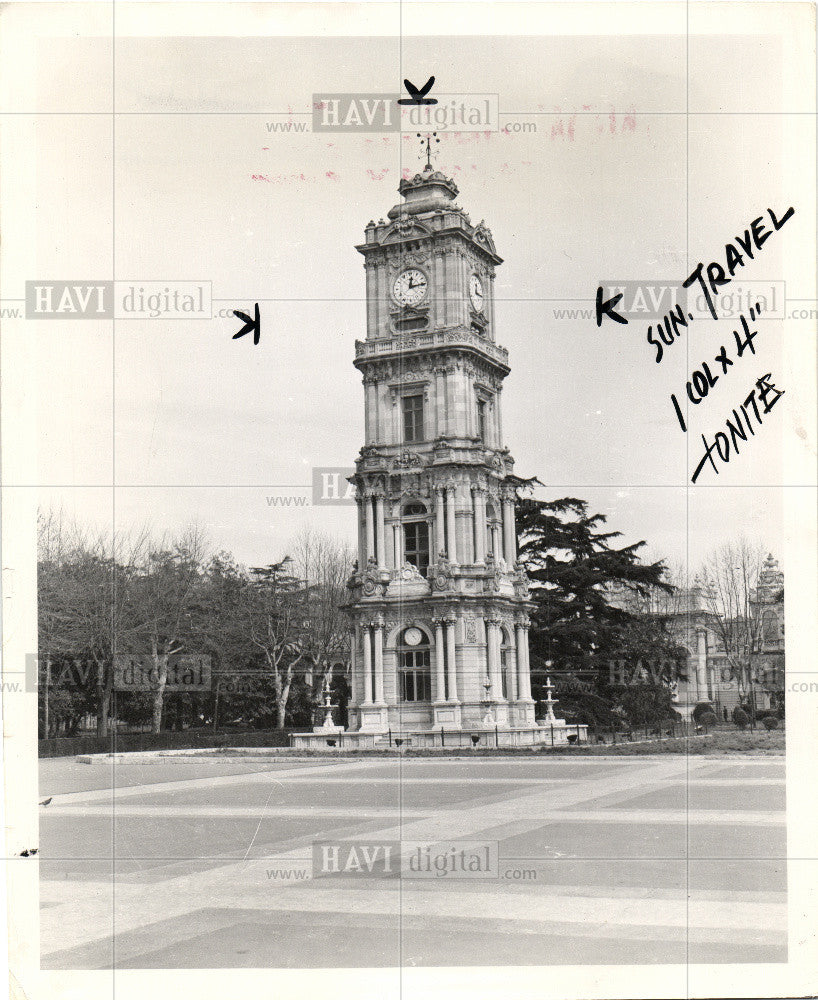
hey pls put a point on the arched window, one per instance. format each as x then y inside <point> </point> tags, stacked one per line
<point>414,665</point>
<point>416,536</point>
<point>506,662</point>
<point>495,533</point>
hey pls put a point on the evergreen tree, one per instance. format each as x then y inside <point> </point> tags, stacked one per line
<point>577,632</point>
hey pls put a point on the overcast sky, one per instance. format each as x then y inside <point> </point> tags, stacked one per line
<point>616,183</point>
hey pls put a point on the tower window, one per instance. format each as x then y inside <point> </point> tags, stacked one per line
<point>416,545</point>
<point>413,418</point>
<point>481,419</point>
<point>414,674</point>
<point>506,665</point>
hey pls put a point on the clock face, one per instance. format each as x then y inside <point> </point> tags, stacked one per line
<point>476,292</point>
<point>412,636</point>
<point>410,287</point>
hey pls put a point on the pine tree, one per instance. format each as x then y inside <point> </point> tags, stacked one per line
<point>574,566</point>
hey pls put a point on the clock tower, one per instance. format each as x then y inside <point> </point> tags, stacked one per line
<point>438,603</point>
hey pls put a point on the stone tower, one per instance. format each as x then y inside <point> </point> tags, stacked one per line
<point>439,607</point>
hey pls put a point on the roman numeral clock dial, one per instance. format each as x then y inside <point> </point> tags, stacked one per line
<point>476,292</point>
<point>410,287</point>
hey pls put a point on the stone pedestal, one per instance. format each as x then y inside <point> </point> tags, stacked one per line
<point>447,714</point>
<point>525,713</point>
<point>500,712</point>
<point>374,718</point>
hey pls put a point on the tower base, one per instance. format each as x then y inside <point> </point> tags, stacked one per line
<point>482,738</point>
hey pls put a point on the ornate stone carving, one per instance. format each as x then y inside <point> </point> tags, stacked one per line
<point>521,588</point>
<point>471,630</point>
<point>494,575</point>
<point>414,489</point>
<point>371,583</point>
<point>409,572</point>
<point>407,460</point>
<point>443,574</point>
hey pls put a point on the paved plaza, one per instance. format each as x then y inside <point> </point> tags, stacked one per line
<point>193,862</point>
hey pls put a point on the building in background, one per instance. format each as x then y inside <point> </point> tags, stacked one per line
<point>729,660</point>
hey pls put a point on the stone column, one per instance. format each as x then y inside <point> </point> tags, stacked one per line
<point>396,546</point>
<point>440,402</point>
<point>361,534</point>
<point>513,690</point>
<point>509,539</point>
<point>452,658</point>
<point>370,412</point>
<point>701,665</point>
<point>440,526</point>
<point>451,400</point>
<point>493,654</point>
<point>440,662</point>
<point>479,507</point>
<point>495,422</point>
<point>385,410</point>
<point>370,528</point>
<point>378,663</point>
<point>354,687</point>
<point>527,669</point>
<point>371,297</point>
<point>396,416</point>
<point>366,638</point>
<point>379,532</point>
<point>523,671</point>
<point>450,523</point>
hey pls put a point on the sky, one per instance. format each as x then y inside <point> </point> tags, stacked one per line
<point>163,422</point>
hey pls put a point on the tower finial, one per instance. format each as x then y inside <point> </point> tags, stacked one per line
<point>426,146</point>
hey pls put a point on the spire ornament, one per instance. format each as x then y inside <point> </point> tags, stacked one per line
<point>426,147</point>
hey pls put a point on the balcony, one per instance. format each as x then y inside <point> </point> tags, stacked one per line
<point>380,348</point>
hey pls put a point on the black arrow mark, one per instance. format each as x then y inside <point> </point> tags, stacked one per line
<point>607,308</point>
<point>253,325</point>
<point>418,96</point>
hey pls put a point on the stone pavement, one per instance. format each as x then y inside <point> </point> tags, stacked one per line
<point>197,863</point>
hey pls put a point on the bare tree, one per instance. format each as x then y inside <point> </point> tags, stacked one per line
<point>219,625</point>
<point>324,563</point>
<point>275,613</point>
<point>162,603</point>
<point>84,583</point>
<point>729,577</point>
